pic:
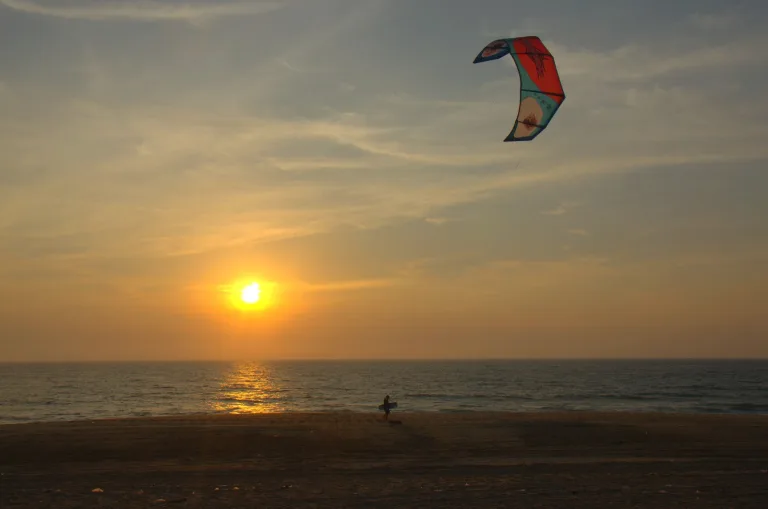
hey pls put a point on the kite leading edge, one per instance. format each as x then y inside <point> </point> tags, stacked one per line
<point>541,92</point>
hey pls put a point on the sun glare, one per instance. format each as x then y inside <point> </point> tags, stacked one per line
<point>251,294</point>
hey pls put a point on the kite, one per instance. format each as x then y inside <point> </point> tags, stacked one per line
<point>541,93</point>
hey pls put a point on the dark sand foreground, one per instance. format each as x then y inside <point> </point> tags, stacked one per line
<point>357,460</point>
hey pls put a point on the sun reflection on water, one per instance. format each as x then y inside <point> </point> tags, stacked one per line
<point>249,388</point>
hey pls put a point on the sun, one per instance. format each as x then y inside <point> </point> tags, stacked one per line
<point>251,294</point>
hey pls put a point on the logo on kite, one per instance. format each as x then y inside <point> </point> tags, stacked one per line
<point>494,48</point>
<point>541,92</point>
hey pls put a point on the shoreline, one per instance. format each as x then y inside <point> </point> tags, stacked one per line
<point>558,413</point>
<point>424,459</point>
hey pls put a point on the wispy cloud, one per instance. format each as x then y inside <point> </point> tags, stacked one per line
<point>561,209</point>
<point>143,10</point>
<point>283,62</point>
<point>249,193</point>
<point>720,21</point>
<point>345,286</point>
<point>438,220</point>
<point>651,60</point>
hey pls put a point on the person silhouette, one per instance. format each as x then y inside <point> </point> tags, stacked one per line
<point>386,407</point>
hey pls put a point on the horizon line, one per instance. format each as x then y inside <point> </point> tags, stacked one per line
<point>387,359</point>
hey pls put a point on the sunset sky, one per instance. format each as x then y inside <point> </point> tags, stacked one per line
<point>348,155</point>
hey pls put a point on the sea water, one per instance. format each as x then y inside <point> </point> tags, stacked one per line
<point>54,392</point>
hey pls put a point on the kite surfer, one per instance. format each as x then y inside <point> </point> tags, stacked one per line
<point>386,407</point>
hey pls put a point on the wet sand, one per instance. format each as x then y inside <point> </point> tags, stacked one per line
<point>573,460</point>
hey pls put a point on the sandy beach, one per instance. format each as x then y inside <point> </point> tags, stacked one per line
<point>574,460</point>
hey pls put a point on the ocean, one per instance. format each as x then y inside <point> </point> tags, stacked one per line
<point>56,392</point>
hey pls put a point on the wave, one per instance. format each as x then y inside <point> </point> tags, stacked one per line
<point>459,397</point>
<point>54,392</point>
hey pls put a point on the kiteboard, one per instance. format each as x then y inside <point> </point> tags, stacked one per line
<point>392,404</point>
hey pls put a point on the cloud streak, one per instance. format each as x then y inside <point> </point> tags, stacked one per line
<point>644,62</point>
<point>146,10</point>
<point>254,194</point>
<point>561,209</point>
<point>720,21</point>
<point>346,286</point>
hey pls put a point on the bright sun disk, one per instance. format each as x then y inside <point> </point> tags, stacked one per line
<point>251,293</point>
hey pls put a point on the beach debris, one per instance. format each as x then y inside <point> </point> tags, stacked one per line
<point>97,490</point>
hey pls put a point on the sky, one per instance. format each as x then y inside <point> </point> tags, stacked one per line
<point>347,154</point>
